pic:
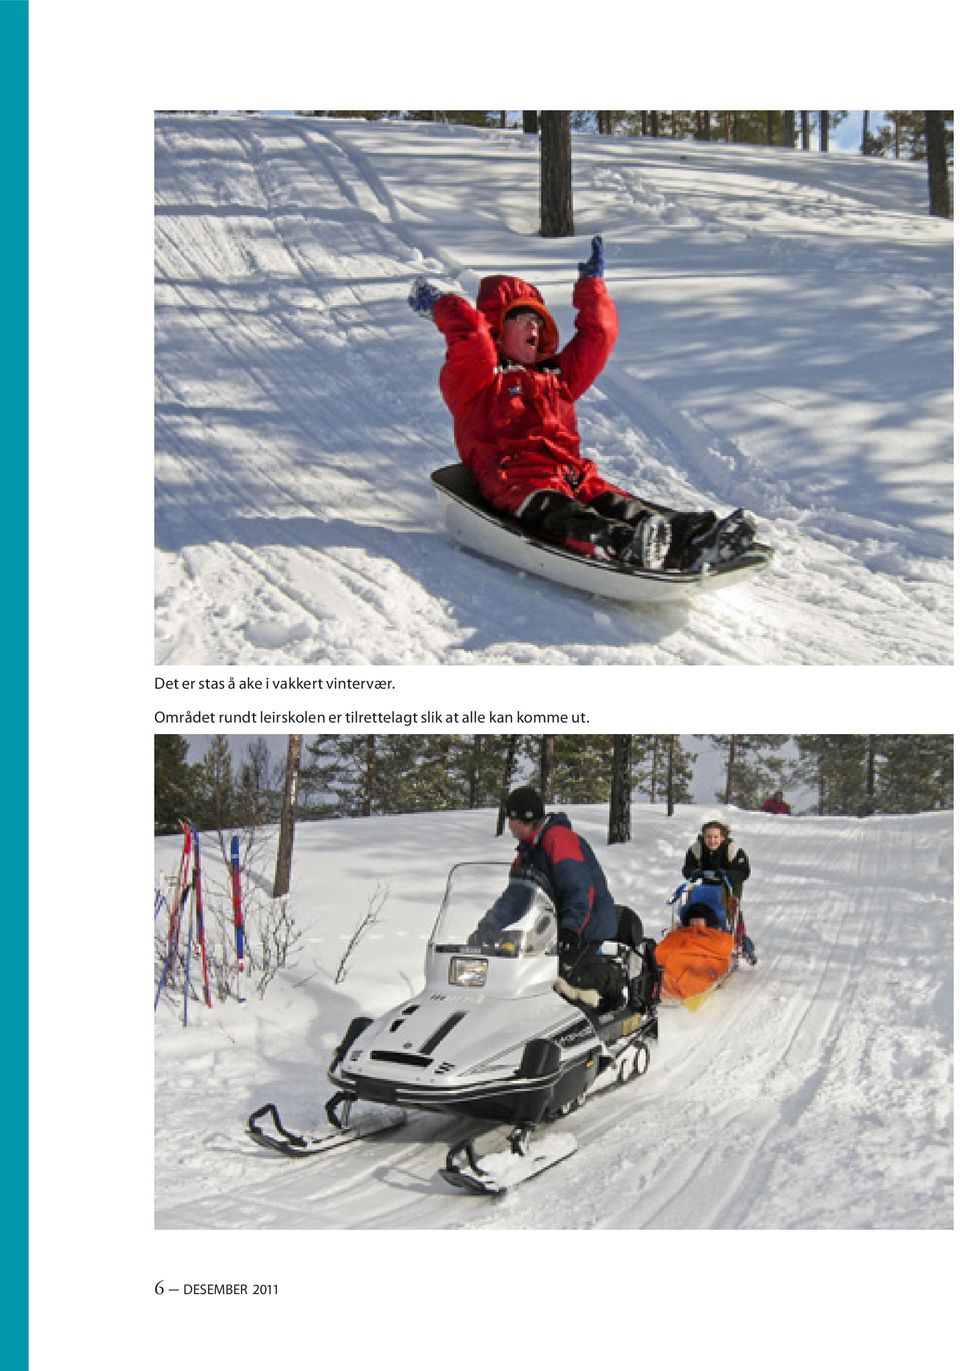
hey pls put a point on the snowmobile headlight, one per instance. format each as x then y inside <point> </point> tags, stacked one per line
<point>469,972</point>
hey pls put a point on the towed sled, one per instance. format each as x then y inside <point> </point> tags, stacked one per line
<point>489,1038</point>
<point>478,526</point>
<point>706,941</point>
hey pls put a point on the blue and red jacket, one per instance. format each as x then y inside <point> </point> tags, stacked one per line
<point>564,865</point>
<point>515,426</point>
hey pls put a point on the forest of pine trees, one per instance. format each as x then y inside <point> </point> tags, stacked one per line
<point>912,135</point>
<point>899,133</point>
<point>347,775</point>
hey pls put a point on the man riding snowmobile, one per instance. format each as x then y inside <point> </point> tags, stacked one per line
<point>550,854</point>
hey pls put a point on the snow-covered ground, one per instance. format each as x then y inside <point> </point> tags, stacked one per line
<point>786,344</point>
<point>814,1091</point>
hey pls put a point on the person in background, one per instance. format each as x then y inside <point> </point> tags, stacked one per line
<point>775,804</point>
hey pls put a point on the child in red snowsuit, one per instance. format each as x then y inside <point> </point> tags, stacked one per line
<point>512,394</point>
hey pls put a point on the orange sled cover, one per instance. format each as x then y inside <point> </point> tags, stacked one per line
<point>693,959</point>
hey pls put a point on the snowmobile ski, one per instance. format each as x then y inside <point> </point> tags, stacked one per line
<point>279,1138</point>
<point>505,1170</point>
<point>479,527</point>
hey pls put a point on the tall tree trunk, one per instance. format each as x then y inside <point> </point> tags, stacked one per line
<point>370,776</point>
<point>938,176</point>
<point>824,130</point>
<point>531,121</point>
<point>865,136</point>
<point>771,128</point>
<point>805,130</point>
<point>731,768</point>
<point>476,758</point>
<point>618,827</point>
<point>871,774</point>
<point>546,768</point>
<point>508,765</point>
<point>654,123</point>
<point>671,753</point>
<point>789,128</point>
<point>556,175</point>
<point>288,816</point>
<point>654,768</point>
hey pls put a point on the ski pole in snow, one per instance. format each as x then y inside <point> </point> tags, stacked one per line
<point>187,957</point>
<point>201,929</point>
<point>237,896</point>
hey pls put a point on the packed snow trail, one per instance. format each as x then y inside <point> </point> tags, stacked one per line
<point>813,1091</point>
<point>786,327</point>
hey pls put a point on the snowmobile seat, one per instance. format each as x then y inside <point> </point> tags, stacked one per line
<point>629,928</point>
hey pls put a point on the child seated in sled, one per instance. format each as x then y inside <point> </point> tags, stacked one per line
<point>720,864</point>
<point>512,393</point>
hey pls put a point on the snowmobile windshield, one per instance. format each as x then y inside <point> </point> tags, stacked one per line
<point>485,908</point>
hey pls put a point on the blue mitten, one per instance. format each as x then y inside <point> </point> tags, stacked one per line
<point>593,266</point>
<point>423,296</point>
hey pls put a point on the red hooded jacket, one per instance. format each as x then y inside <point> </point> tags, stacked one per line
<point>515,426</point>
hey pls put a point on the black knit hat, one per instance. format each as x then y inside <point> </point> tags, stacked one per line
<point>525,803</point>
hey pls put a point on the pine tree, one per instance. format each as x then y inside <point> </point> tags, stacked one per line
<point>668,770</point>
<point>915,773</point>
<point>755,766</point>
<point>837,764</point>
<point>215,802</point>
<point>258,799</point>
<point>581,768</point>
<point>173,781</point>
<point>338,778</point>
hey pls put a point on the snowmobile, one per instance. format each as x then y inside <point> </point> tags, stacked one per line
<point>706,940</point>
<point>489,1037</point>
<point>475,524</point>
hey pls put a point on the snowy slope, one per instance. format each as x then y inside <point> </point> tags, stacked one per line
<point>814,1091</point>
<point>786,326</point>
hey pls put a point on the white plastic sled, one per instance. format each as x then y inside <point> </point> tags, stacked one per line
<point>477,526</point>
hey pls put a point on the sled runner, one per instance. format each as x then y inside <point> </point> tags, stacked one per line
<point>705,943</point>
<point>481,528</point>
<point>490,1038</point>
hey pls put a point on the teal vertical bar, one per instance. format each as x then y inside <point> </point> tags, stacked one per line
<point>14,335</point>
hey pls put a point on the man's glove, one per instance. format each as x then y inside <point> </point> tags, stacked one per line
<point>487,931</point>
<point>423,296</point>
<point>568,945</point>
<point>593,266</point>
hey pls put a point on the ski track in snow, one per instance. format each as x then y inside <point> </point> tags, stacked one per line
<point>298,417</point>
<point>813,1091</point>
